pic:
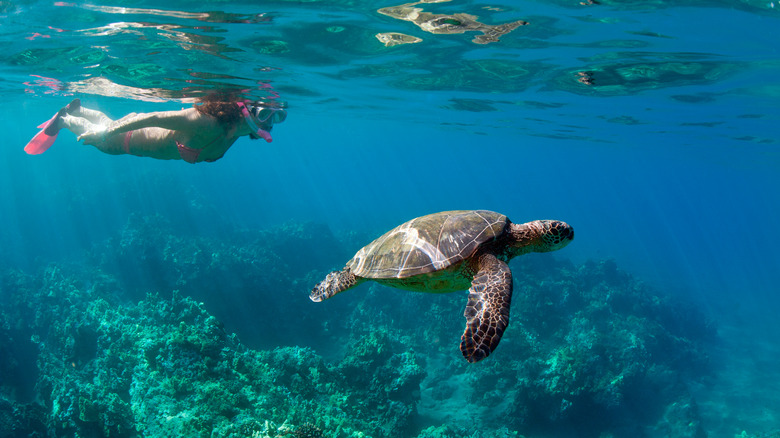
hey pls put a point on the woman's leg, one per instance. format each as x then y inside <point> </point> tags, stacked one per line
<point>91,115</point>
<point>79,120</point>
<point>79,125</point>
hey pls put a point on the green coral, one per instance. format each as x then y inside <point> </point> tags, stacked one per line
<point>165,367</point>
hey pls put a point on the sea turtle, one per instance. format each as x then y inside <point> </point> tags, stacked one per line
<point>450,24</point>
<point>450,251</point>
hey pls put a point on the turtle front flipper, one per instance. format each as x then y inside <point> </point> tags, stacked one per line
<point>335,282</point>
<point>487,311</point>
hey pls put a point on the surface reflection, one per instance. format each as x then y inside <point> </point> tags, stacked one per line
<point>211,16</point>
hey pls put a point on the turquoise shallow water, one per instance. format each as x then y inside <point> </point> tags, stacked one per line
<point>651,127</point>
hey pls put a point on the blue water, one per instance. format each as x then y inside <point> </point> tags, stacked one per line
<point>668,162</point>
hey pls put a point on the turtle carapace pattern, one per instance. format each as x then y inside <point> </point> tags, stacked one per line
<point>450,251</point>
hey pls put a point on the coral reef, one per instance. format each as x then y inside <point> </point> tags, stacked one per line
<point>133,343</point>
<point>165,367</point>
<point>589,349</point>
<point>259,273</point>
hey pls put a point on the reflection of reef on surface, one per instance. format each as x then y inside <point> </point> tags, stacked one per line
<point>86,351</point>
<point>211,17</point>
<point>450,24</point>
<point>472,105</point>
<point>390,39</point>
<point>630,78</point>
<point>142,49</point>
<point>623,120</point>
<point>318,43</point>
<point>753,6</point>
<point>482,75</point>
<point>51,59</point>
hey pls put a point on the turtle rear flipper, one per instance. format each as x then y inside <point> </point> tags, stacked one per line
<point>335,282</point>
<point>487,311</point>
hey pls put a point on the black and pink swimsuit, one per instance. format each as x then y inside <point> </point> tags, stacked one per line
<point>187,153</point>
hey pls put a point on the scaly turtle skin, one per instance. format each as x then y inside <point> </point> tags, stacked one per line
<point>450,251</point>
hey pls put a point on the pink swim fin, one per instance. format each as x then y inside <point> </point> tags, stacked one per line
<point>41,142</point>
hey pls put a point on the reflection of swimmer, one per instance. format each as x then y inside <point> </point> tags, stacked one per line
<point>201,133</point>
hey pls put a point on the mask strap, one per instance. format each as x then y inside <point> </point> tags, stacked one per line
<point>265,135</point>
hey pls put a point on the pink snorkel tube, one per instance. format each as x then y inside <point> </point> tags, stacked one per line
<point>260,132</point>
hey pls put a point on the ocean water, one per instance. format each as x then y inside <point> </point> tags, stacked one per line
<point>650,127</point>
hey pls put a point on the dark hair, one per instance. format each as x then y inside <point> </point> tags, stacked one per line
<point>222,106</point>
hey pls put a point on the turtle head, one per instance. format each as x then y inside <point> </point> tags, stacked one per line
<point>540,236</point>
<point>555,235</point>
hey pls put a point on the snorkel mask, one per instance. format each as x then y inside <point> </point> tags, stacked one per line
<point>267,116</point>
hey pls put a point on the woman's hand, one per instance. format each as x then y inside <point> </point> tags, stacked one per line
<point>92,138</point>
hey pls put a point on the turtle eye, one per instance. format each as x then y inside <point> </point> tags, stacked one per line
<point>555,231</point>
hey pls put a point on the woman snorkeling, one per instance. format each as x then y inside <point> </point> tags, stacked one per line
<point>201,133</point>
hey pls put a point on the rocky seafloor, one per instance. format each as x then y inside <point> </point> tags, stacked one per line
<point>161,334</point>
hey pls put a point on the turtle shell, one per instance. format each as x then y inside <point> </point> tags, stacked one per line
<point>428,243</point>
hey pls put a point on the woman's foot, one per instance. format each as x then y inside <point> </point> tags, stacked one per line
<point>74,106</point>
<point>55,125</point>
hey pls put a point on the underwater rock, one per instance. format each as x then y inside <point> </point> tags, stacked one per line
<point>775,433</point>
<point>448,431</point>
<point>21,419</point>
<point>681,419</point>
<point>391,380</point>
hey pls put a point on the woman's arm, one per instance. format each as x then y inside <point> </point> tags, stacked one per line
<point>173,120</point>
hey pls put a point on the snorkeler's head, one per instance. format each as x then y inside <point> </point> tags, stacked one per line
<point>261,117</point>
<point>268,113</point>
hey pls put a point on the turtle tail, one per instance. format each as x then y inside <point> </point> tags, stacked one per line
<point>335,282</point>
